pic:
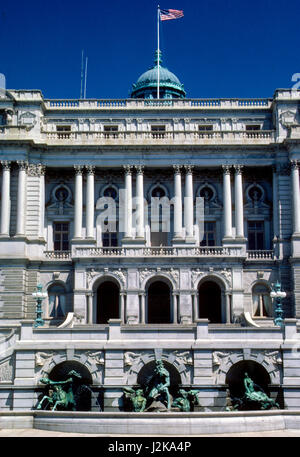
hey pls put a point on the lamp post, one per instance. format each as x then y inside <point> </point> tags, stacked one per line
<point>277,294</point>
<point>39,296</point>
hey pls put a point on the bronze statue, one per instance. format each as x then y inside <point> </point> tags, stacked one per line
<point>159,386</point>
<point>58,396</point>
<point>186,400</point>
<point>255,393</point>
<point>136,398</point>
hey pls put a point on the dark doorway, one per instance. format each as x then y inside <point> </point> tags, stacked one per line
<point>210,305</point>
<point>159,303</point>
<point>107,302</point>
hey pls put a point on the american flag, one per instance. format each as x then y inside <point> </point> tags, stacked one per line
<point>166,15</point>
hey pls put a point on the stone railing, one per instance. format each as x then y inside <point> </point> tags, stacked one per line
<point>260,255</point>
<point>157,252</point>
<point>162,103</point>
<point>183,137</point>
<point>57,255</point>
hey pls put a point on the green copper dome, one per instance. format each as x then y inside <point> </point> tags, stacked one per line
<point>169,84</point>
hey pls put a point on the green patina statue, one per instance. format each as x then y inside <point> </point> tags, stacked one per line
<point>186,400</point>
<point>136,398</point>
<point>155,395</point>
<point>158,390</point>
<point>59,396</point>
<point>254,393</point>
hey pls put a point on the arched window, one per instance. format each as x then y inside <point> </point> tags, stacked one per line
<point>159,310</point>
<point>210,302</point>
<point>108,302</point>
<point>261,300</point>
<point>56,301</point>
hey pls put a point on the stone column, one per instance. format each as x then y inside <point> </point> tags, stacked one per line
<point>90,308</point>
<point>78,202</point>
<point>90,202</point>
<point>296,196</point>
<point>228,308</point>
<point>128,201</point>
<point>239,206</point>
<point>5,202</point>
<point>175,308</point>
<point>122,307</point>
<point>143,308</point>
<point>177,203</point>
<point>140,228</point>
<point>227,206</point>
<point>189,203</point>
<point>21,198</point>
<point>275,203</point>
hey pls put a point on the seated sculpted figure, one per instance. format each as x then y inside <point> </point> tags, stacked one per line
<point>255,393</point>
<point>136,398</point>
<point>186,399</point>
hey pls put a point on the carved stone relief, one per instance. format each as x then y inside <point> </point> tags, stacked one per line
<point>6,370</point>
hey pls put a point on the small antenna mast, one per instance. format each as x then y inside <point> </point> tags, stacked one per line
<point>85,79</point>
<point>81,76</point>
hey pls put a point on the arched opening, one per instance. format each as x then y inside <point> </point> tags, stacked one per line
<point>108,296</point>
<point>148,371</point>
<point>159,303</point>
<point>210,302</point>
<point>80,386</point>
<point>236,374</point>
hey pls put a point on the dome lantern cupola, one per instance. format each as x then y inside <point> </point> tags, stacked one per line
<point>169,84</point>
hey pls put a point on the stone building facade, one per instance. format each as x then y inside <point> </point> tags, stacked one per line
<point>196,294</point>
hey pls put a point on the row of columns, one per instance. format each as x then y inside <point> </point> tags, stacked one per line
<point>188,201</point>
<point>6,198</point>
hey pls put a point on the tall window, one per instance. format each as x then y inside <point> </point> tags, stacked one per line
<point>110,235</point>
<point>61,236</point>
<point>252,127</point>
<point>262,303</point>
<point>205,128</point>
<point>110,131</point>
<point>209,236</point>
<point>158,131</point>
<point>159,236</point>
<point>255,235</point>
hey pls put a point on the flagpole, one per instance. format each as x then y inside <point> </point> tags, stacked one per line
<point>158,59</point>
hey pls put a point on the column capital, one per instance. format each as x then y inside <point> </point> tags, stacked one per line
<point>226,169</point>
<point>238,168</point>
<point>5,164</point>
<point>23,165</point>
<point>139,169</point>
<point>78,169</point>
<point>36,169</point>
<point>294,164</point>
<point>128,169</point>
<point>177,169</point>
<point>189,169</point>
<point>90,169</point>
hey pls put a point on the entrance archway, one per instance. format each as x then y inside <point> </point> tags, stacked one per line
<point>159,303</point>
<point>108,302</point>
<point>210,301</point>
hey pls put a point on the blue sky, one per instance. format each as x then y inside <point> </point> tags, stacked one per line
<point>220,48</point>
